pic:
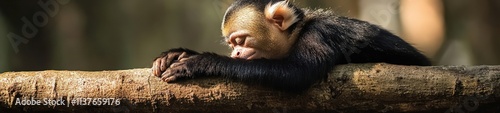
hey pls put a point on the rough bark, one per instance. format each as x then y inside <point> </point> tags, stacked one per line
<point>349,88</point>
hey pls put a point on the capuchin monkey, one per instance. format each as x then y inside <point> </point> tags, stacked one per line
<point>279,45</point>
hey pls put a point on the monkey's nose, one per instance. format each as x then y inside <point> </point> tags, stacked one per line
<point>236,54</point>
<point>242,53</point>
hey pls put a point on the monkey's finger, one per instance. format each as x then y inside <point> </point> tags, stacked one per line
<point>167,76</point>
<point>163,64</point>
<point>153,69</point>
<point>170,59</point>
<point>156,68</point>
<point>184,59</point>
<point>184,54</point>
<point>177,64</point>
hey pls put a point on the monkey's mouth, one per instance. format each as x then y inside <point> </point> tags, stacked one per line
<point>250,56</point>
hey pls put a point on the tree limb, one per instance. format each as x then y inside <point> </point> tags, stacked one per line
<point>349,88</point>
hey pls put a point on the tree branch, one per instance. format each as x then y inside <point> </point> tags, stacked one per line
<point>349,88</point>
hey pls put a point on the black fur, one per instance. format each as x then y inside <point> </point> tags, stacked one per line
<point>325,40</point>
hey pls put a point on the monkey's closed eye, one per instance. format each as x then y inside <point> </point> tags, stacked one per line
<point>239,40</point>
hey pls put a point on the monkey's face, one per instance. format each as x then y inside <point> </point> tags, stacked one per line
<point>254,34</point>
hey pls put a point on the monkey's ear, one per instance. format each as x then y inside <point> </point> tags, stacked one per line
<point>281,14</point>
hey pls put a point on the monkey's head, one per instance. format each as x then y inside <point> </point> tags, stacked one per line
<point>257,29</point>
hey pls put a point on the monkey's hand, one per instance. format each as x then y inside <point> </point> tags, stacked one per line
<point>168,58</point>
<point>178,70</point>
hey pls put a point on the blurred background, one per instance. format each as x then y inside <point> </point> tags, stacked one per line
<point>124,34</point>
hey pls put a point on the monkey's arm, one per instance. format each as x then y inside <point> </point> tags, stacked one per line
<point>307,63</point>
<point>281,74</point>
